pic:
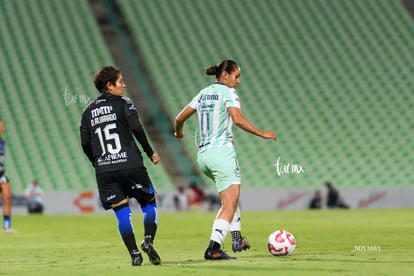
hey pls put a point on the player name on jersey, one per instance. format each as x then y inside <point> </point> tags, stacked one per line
<point>103,119</point>
<point>102,114</point>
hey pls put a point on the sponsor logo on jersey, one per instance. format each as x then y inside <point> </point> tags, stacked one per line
<point>207,106</point>
<point>102,110</point>
<point>114,158</point>
<point>208,97</point>
<point>100,101</point>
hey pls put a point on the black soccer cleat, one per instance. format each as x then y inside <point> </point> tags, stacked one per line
<point>217,254</point>
<point>153,255</point>
<point>238,246</point>
<point>136,259</point>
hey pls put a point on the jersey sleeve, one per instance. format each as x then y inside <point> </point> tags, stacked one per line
<point>86,140</point>
<point>135,126</point>
<point>231,99</point>
<point>194,102</point>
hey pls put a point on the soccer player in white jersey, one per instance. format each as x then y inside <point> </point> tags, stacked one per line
<point>218,108</point>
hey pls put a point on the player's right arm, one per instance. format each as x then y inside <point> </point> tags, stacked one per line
<point>186,113</point>
<point>86,139</point>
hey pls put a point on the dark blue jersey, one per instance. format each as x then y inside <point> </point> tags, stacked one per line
<point>108,127</point>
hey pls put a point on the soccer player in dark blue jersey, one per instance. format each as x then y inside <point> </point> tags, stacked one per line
<point>107,130</point>
<point>5,189</point>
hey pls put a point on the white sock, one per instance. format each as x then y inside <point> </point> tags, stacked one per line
<point>236,222</point>
<point>220,229</point>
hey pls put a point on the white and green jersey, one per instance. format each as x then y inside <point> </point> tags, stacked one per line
<point>215,122</point>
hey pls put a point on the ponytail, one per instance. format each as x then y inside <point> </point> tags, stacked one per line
<point>227,65</point>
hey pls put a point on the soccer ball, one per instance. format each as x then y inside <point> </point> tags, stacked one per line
<point>281,243</point>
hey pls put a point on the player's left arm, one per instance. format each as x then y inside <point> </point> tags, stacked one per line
<point>240,121</point>
<point>137,130</point>
<point>232,103</point>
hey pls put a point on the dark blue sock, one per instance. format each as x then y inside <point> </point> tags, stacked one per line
<point>123,216</point>
<point>150,220</point>
<point>6,222</point>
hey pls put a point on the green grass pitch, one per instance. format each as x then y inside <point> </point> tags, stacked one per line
<point>329,242</point>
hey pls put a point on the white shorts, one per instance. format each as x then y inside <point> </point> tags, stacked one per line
<point>4,179</point>
<point>221,165</point>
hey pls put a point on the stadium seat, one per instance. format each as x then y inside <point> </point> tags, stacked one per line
<point>320,73</point>
<point>50,52</point>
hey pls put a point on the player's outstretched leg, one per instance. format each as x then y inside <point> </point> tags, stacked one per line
<point>219,232</point>
<point>217,254</point>
<point>152,253</point>
<point>137,259</point>
<point>239,243</point>
<point>123,215</point>
<point>150,228</point>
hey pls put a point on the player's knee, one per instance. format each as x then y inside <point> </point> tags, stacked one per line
<point>120,204</point>
<point>153,201</point>
<point>7,199</point>
<point>118,207</point>
<point>230,207</point>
